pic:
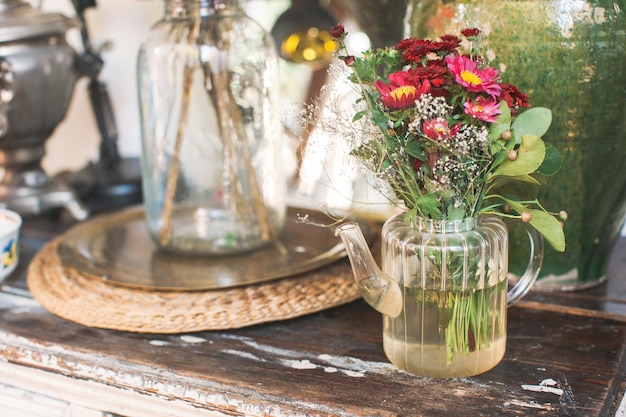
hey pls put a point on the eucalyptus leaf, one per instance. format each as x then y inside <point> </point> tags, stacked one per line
<point>552,162</point>
<point>549,227</point>
<point>535,121</point>
<point>502,180</point>
<point>530,155</point>
<point>546,224</point>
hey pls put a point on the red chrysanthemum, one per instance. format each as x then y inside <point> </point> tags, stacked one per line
<point>474,79</point>
<point>514,97</point>
<point>417,49</point>
<point>434,74</point>
<point>447,43</point>
<point>405,44</point>
<point>470,33</point>
<point>400,93</point>
<point>485,109</point>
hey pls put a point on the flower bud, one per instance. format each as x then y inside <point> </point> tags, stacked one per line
<point>348,60</point>
<point>506,135</point>
<point>563,215</point>
<point>511,155</point>
<point>337,31</point>
<point>526,217</point>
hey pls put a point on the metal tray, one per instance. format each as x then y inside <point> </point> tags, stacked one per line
<point>117,248</point>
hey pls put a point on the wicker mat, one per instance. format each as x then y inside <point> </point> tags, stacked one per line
<point>66,293</point>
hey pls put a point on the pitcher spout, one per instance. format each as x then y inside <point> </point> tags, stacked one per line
<point>377,288</point>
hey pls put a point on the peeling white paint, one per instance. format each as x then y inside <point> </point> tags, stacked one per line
<point>163,383</point>
<point>192,339</point>
<point>531,404</point>
<point>547,385</point>
<point>302,364</point>
<point>307,364</point>
<point>268,349</point>
<point>474,382</point>
<point>353,374</point>
<point>347,365</point>
<point>543,388</point>
<point>358,365</point>
<point>159,343</point>
<point>549,382</point>
<point>243,354</point>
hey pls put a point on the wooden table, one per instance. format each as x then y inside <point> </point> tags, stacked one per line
<point>565,357</point>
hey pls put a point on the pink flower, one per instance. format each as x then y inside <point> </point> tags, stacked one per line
<point>437,129</point>
<point>474,79</point>
<point>400,93</point>
<point>485,109</point>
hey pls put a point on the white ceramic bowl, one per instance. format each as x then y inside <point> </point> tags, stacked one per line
<point>10,224</point>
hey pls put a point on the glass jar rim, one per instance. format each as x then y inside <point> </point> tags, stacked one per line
<point>424,224</point>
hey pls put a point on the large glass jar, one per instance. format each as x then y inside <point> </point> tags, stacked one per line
<point>208,95</point>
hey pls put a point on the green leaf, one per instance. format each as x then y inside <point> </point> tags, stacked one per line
<point>530,155</point>
<point>414,148</point>
<point>428,205</point>
<point>456,213</point>
<point>359,115</point>
<point>549,227</point>
<point>534,121</point>
<point>552,162</point>
<point>545,223</point>
<point>501,180</point>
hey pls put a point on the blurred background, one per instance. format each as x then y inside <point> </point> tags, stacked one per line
<point>123,24</point>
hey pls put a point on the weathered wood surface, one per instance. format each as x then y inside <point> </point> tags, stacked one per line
<point>564,358</point>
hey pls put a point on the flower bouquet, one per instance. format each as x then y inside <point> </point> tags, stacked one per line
<point>442,131</point>
<point>448,132</point>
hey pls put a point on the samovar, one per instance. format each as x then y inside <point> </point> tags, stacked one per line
<point>37,79</point>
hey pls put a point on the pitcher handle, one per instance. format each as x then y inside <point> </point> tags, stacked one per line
<point>523,285</point>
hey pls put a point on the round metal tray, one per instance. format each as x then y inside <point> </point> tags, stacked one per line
<point>117,248</point>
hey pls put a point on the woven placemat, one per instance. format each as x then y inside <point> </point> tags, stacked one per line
<point>63,291</point>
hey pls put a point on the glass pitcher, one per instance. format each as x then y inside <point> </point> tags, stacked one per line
<point>442,291</point>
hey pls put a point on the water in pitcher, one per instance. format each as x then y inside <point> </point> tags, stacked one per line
<point>448,334</point>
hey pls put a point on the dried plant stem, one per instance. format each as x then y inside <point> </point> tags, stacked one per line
<point>234,138</point>
<point>165,233</point>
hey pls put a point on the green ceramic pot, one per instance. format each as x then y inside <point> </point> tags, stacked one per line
<point>569,56</point>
